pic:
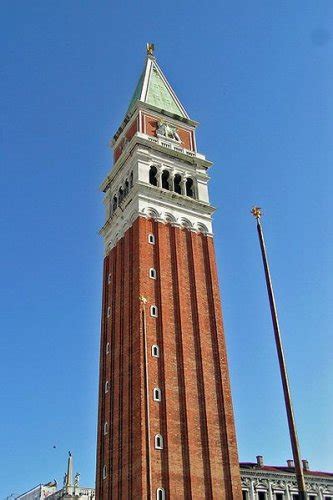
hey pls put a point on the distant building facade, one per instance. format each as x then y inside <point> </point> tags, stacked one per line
<point>259,482</point>
<point>39,492</point>
<point>70,490</point>
<point>74,492</point>
<point>265,482</point>
<point>43,491</point>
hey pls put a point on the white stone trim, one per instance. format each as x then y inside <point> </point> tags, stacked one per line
<point>168,143</point>
<point>159,394</point>
<point>158,496</point>
<point>149,67</point>
<point>154,348</point>
<point>152,273</point>
<point>145,200</point>
<point>154,311</point>
<point>159,442</point>
<point>111,240</point>
<point>144,206</point>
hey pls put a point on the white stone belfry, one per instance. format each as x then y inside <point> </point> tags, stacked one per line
<point>157,171</point>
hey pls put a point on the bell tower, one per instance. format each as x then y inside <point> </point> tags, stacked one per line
<point>165,420</point>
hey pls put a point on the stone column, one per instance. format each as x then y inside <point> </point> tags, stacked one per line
<point>159,176</point>
<point>183,185</point>
<point>252,491</point>
<point>171,180</point>
<point>194,188</point>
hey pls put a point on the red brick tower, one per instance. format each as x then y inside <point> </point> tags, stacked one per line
<point>165,423</point>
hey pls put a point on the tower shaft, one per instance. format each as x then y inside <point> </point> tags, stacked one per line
<point>165,424</point>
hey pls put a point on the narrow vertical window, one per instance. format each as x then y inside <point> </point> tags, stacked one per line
<point>107,349</point>
<point>151,239</point>
<point>109,279</point>
<point>279,496</point>
<point>153,311</point>
<point>158,442</point>
<point>152,273</point>
<point>157,394</point>
<point>109,312</point>
<point>105,428</point>
<point>160,494</point>
<point>106,387</point>
<point>104,472</point>
<point>155,351</point>
<point>244,494</point>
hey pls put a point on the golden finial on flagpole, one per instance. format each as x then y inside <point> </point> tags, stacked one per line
<point>256,212</point>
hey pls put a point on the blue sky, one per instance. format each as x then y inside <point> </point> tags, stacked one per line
<point>258,77</point>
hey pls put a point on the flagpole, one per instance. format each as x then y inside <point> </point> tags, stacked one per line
<point>256,212</point>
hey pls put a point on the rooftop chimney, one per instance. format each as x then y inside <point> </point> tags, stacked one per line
<point>291,464</point>
<point>260,460</point>
<point>305,465</point>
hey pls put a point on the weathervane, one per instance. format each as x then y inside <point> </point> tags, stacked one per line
<point>150,49</point>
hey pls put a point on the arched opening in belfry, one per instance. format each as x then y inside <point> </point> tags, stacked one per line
<point>165,179</point>
<point>131,180</point>
<point>120,195</point>
<point>153,175</point>
<point>177,184</point>
<point>114,203</point>
<point>189,187</point>
<point>127,188</point>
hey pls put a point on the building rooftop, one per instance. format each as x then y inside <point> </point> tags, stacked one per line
<point>153,88</point>
<point>288,469</point>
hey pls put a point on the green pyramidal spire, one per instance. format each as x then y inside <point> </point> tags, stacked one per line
<point>153,88</point>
